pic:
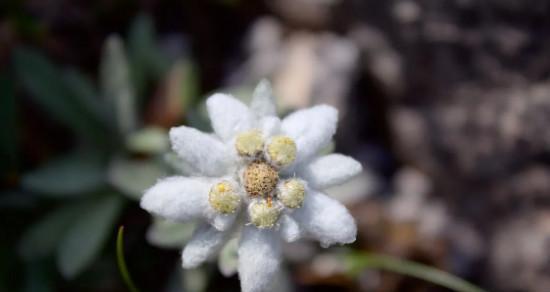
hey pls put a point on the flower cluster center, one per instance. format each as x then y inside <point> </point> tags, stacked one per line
<point>260,179</point>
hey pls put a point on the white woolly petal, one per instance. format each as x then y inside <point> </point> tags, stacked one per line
<point>329,170</point>
<point>220,221</point>
<point>259,258</point>
<point>228,259</point>
<point>177,198</point>
<point>229,116</point>
<point>290,231</point>
<point>183,199</point>
<point>270,126</point>
<point>325,219</point>
<point>206,242</point>
<point>203,152</point>
<point>263,103</point>
<point>311,129</point>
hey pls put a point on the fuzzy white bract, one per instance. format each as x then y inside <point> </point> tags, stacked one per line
<point>259,179</point>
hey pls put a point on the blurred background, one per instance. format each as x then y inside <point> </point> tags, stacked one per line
<point>445,103</point>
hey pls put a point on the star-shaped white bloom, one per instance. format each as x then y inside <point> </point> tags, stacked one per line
<point>258,178</point>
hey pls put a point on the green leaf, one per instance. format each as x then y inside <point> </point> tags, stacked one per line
<point>184,78</point>
<point>133,177</point>
<point>87,95</point>
<point>178,165</point>
<point>146,60</point>
<point>195,280</point>
<point>87,234</point>
<point>48,89</point>
<point>122,263</point>
<point>151,140</point>
<point>198,118</point>
<point>359,261</point>
<point>116,87</point>
<point>140,44</point>
<point>168,234</point>
<point>42,238</point>
<point>188,280</point>
<point>69,175</point>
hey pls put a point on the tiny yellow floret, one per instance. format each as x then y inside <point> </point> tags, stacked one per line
<point>223,198</point>
<point>262,214</point>
<point>291,193</point>
<point>281,150</point>
<point>249,143</point>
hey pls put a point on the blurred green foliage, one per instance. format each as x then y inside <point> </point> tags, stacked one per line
<point>117,154</point>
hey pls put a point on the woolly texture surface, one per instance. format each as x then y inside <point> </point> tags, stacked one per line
<point>263,211</point>
<point>311,129</point>
<point>177,198</point>
<point>184,199</point>
<point>329,170</point>
<point>206,242</point>
<point>203,152</point>
<point>262,103</point>
<point>228,115</point>
<point>326,220</point>
<point>290,231</point>
<point>270,126</point>
<point>259,258</point>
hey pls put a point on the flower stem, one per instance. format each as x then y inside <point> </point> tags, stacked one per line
<point>122,263</point>
<point>361,260</point>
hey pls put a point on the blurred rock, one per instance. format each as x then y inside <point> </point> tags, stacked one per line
<point>305,67</point>
<point>520,248</point>
<point>379,58</point>
<point>357,189</point>
<point>481,133</point>
<point>305,13</point>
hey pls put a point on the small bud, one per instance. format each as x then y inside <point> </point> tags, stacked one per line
<point>291,193</point>
<point>249,143</point>
<point>263,214</point>
<point>281,150</point>
<point>223,198</point>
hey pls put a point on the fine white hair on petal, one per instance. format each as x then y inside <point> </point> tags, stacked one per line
<point>177,198</point>
<point>290,231</point>
<point>259,258</point>
<point>220,221</point>
<point>229,116</point>
<point>263,103</point>
<point>203,152</point>
<point>270,126</point>
<point>329,170</point>
<point>206,242</point>
<point>311,129</point>
<point>325,219</point>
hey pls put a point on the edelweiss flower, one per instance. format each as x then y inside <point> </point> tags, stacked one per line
<point>258,179</point>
